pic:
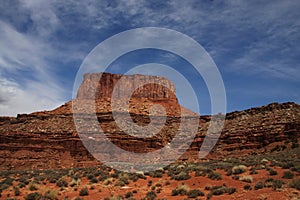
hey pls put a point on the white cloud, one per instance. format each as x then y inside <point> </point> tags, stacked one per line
<point>14,99</point>
<point>25,93</point>
<point>225,29</point>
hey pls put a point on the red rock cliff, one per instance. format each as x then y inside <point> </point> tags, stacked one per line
<point>102,85</point>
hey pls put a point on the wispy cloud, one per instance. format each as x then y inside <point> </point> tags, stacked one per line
<point>32,84</point>
<point>41,42</point>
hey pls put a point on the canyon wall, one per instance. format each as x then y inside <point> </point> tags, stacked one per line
<point>49,139</point>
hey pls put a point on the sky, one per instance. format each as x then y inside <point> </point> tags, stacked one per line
<point>254,44</point>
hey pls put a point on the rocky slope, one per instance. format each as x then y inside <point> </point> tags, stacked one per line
<point>49,139</point>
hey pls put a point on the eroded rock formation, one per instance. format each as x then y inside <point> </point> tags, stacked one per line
<point>50,140</point>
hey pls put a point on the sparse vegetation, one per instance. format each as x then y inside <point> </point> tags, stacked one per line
<point>259,185</point>
<point>151,195</point>
<point>247,179</point>
<point>84,191</point>
<point>194,193</point>
<point>214,176</point>
<point>51,195</point>
<point>288,175</point>
<point>239,169</point>
<point>247,187</point>
<point>295,183</point>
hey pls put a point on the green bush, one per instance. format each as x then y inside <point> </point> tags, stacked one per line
<point>128,195</point>
<point>120,183</point>
<point>151,195</point>
<point>215,176</point>
<point>17,191</point>
<point>219,190</point>
<point>156,174</point>
<point>247,187</point>
<point>181,176</point>
<point>247,179</point>
<point>259,185</point>
<point>34,196</point>
<point>239,169</point>
<point>181,190</point>
<point>295,183</point>
<point>94,180</point>
<point>51,195</point>
<point>194,193</point>
<point>272,172</point>
<point>288,175</point>
<point>277,184</point>
<point>62,183</point>
<point>32,186</point>
<point>84,191</point>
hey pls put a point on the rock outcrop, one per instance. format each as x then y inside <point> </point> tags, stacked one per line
<point>101,86</point>
<point>49,139</point>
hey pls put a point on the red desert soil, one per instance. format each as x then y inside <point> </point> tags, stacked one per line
<point>100,191</point>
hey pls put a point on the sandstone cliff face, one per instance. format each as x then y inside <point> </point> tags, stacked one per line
<point>49,139</point>
<point>99,86</point>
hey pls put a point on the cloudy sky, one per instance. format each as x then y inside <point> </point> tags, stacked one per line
<point>255,45</point>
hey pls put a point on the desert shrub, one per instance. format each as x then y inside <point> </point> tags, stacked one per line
<point>295,183</point>
<point>6,183</point>
<point>62,183</point>
<point>286,165</point>
<point>277,184</point>
<point>108,181</point>
<point>84,191</point>
<point>34,196</point>
<point>17,191</point>
<point>51,195</point>
<point>235,177</point>
<point>219,190</point>
<point>269,183</point>
<point>150,183</point>
<point>207,187</point>
<point>151,195</point>
<point>24,180</point>
<point>276,148</point>
<point>75,182</point>
<point>252,171</point>
<point>21,185</point>
<point>136,176</point>
<point>94,180</point>
<point>90,176</point>
<point>230,190</point>
<point>32,186</point>
<point>181,176</point>
<point>259,185</point>
<point>120,183</point>
<point>272,172</point>
<point>156,174</point>
<point>215,176</point>
<point>194,193</point>
<point>264,161</point>
<point>167,183</point>
<point>239,169</point>
<point>295,145</point>
<point>247,179</point>
<point>247,187</point>
<point>175,192</point>
<point>229,172</point>
<point>181,190</point>
<point>128,195</point>
<point>119,197</point>
<point>288,175</point>
<point>78,198</point>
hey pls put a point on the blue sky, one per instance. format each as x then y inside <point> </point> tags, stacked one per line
<point>255,44</point>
